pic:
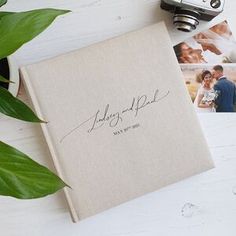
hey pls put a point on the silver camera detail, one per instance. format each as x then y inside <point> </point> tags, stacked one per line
<point>187,13</point>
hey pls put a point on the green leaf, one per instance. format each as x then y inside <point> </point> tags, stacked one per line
<point>4,13</point>
<point>20,27</point>
<point>2,2</point>
<point>2,79</point>
<point>23,178</point>
<point>11,106</point>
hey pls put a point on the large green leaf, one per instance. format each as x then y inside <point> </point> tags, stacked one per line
<point>2,2</point>
<point>23,178</point>
<point>4,13</point>
<point>11,106</point>
<point>19,28</point>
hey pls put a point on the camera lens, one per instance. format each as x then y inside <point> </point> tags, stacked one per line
<point>215,3</point>
<point>186,20</point>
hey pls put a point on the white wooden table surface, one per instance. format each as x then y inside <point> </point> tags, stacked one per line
<point>201,205</point>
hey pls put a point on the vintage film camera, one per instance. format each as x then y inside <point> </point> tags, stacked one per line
<point>187,13</point>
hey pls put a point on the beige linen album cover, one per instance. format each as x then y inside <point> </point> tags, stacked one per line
<point>120,120</point>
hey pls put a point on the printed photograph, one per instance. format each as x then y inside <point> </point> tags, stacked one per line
<point>212,87</point>
<point>216,45</point>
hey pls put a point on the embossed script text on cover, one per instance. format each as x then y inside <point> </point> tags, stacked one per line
<point>121,123</point>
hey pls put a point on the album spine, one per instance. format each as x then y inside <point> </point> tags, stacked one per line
<point>33,98</point>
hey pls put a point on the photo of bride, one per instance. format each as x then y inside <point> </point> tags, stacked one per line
<point>204,101</point>
<point>214,46</point>
<point>212,88</point>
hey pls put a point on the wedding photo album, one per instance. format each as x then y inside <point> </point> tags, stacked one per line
<point>114,140</point>
<point>208,63</point>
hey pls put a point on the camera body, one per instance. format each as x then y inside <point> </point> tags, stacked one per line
<point>187,13</point>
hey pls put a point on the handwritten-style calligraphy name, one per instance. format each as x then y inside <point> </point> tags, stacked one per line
<point>107,117</point>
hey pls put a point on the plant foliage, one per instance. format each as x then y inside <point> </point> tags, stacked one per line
<point>20,176</point>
